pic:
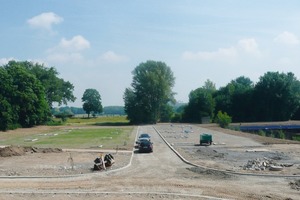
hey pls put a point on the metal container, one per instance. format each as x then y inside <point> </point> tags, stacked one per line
<point>205,139</point>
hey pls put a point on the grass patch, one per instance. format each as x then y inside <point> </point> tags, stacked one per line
<point>107,138</point>
<point>77,132</point>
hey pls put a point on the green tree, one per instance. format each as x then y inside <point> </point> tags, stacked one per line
<point>223,99</point>
<point>201,104</point>
<point>7,116</point>
<point>91,102</point>
<point>57,90</point>
<point>152,89</point>
<point>241,99</point>
<point>114,110</point>
<point>166,113</point>
<point>236,99</point>
<point>276,96</point>
<point>133,107</point>
<point>28,100</point>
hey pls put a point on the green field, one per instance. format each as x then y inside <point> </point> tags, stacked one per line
<point>101,120</point>
<point>99,133</point>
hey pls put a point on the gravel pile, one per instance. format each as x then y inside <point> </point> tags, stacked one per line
<point>261,164</point>
<point>295,185</point>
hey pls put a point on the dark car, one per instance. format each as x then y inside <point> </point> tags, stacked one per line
<point>142,137</point>
<point>138,142</point>
<point>145,146</point>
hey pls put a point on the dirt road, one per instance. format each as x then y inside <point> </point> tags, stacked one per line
<point>158,175</point>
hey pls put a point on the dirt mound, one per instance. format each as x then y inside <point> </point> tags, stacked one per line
<point>20,151</point>
<point>210,172</point>
<point>45,150</point>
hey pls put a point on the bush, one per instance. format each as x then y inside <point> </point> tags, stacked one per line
<point>280,134</point>
<point>297,138</point>
<point>13,126</point>
<point>272,135</point>
<point>262,133</point>
<point>235,128</point>
<point>54,123</point>
<point>223,119</point>
<point>176,118</point>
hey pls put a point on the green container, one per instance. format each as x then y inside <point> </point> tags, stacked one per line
<point>205,139</point>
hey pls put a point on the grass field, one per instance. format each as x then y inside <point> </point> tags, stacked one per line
<point>101,120</point>
<point>100,132</point>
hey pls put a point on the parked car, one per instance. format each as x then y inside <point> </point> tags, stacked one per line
<point>142,137</point>
<point>146,146</point>
<point>138,142</point>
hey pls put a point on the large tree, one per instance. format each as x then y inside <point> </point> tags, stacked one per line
<point>57,89</point>
<point>236,99</point>
<point>151,91</point>
<point>7,116</point>
<point>91,101</point>
<point>276,96</point>
<point>27,93</point>
<point>201,103</point>
<point>27,97</point>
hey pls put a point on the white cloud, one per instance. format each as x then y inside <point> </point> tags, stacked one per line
<point>220,54</point>
<point>65,57</point>
<point>248,46</point>
<point>77,43</point>
<point>111,56</point>
<point>287,38</point>
<point>44,21</point>
<point>4,61</point>
<point>68,50</point>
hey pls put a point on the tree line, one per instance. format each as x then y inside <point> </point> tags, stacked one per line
<point>107,110</point>
<point>28,91</point>
<point>275,97</point>
<point>150,99</point>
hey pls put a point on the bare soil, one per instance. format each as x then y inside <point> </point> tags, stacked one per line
<point>231,150</point>
<point>36,173</point>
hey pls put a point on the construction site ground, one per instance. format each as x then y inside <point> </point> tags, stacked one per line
<point>202,172</point>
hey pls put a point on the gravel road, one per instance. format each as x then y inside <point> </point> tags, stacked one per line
<point>159,175</point>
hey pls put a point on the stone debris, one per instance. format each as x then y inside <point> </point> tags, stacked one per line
<point>295,185</point>
<point>257,150</point>
<point>261,164</point>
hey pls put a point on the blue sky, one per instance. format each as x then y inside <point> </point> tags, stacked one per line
<point>97,44</point>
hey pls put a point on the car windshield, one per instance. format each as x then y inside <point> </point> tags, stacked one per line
<point>144,135</point>
<point>143,139</point>
<point>145,142</point>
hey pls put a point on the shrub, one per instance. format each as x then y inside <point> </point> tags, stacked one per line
<point>262,133</point>
<point>223,119</point>
<point>176,118</point>
<point>280,134</point>
<point>297,138</point>
<point>54,123</point>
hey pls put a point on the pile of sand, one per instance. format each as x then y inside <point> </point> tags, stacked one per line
<point>20,151</point>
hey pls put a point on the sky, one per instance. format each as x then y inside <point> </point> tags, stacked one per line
<point>97,44</point>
